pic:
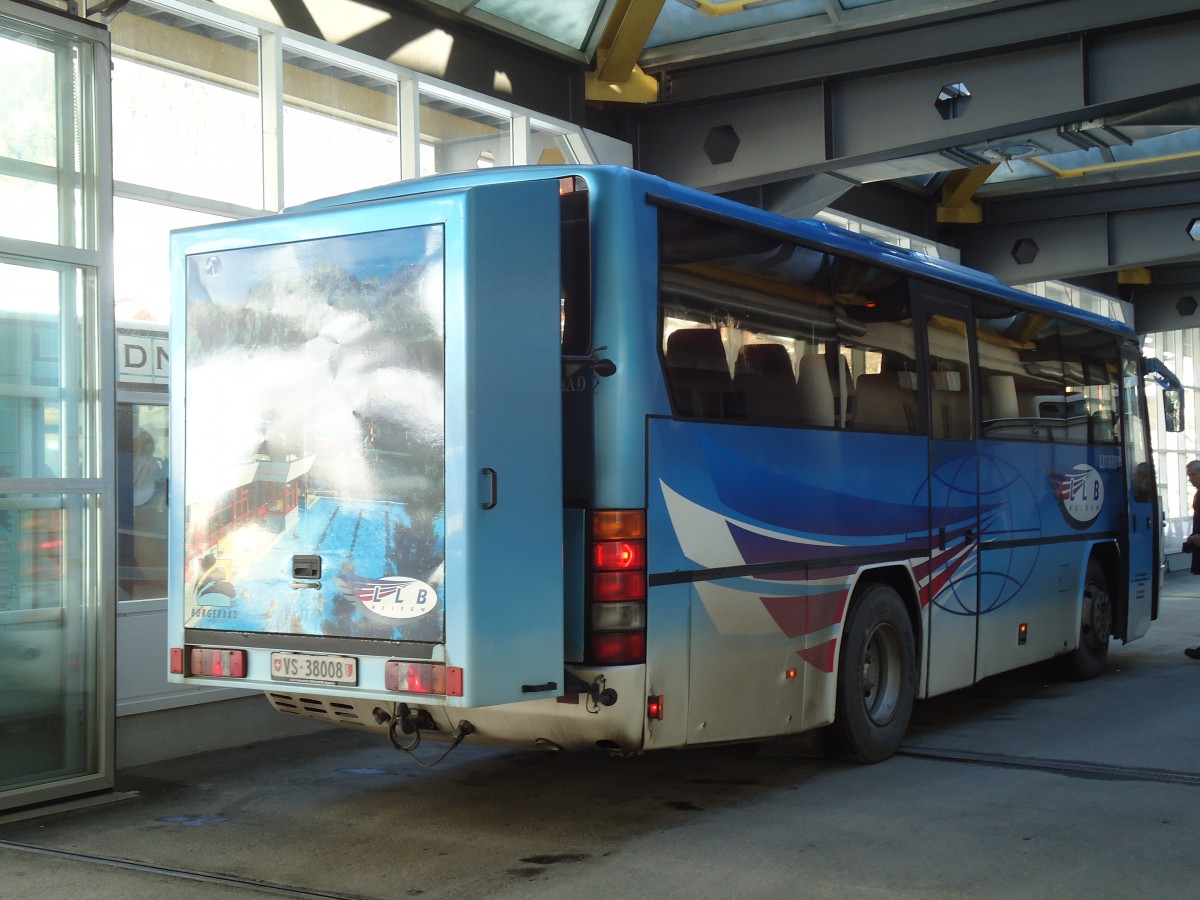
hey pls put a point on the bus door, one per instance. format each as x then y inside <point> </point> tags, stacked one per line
<point>949,589</point>
<point>1140,554</point>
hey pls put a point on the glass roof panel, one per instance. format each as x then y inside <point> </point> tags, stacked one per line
<point>1161,148</point>
<point>1016,170</point>
<point>686,20</point>
<point>565,21</point>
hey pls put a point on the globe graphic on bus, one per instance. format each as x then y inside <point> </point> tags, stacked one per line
<point>1008,511</point>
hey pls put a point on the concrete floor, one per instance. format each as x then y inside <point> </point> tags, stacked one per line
<point>1023,786</point>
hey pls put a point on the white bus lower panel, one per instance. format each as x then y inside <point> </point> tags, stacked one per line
<point>570,722</point>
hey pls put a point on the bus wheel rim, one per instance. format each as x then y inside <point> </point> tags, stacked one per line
<point>881,674</point>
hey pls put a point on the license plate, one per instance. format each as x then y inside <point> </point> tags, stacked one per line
<point>315,668</point>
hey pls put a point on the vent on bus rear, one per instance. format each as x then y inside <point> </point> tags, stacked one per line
<point>329,709</point>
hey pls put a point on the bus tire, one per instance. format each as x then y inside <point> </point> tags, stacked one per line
<point>1095,626</point>
<point>877,676</point>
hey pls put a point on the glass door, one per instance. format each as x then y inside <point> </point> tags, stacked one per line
<point>56,534</point>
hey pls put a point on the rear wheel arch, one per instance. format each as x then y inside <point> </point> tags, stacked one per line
<point>876,670</point>
<point>1100,597</point>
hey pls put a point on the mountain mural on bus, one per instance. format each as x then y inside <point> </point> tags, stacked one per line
<point>319,366</point>
<point>782,520</point>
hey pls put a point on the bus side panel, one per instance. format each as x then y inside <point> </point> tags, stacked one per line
<point>667,671</point>
<point>952,613</point>
<point>790,515</point>
<point>1042,508</point>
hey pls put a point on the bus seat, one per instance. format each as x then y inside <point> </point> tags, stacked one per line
<point>816,392</point>
<point>698,374</point>
<point>1104,430</point>
<point>1000,399</point>
<point>763,374</point>
<point>882,405</point>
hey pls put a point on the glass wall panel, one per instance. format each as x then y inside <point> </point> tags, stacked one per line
<point>142,500</point>
<point>46,360</point>
<point>162,61</point>
<point>42,169</point>
<point>1173,450</point>
<point>48,656</point>
<point>55,578</point>
<point>143,262</point>
<point>566,21</point>
<point>549,147</point>
<point>458,138</point>
<point>340,130</point>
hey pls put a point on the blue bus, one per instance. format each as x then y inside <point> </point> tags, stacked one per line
<point>576,458</point>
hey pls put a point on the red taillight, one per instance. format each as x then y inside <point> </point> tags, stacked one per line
<point>619,555</point>
<point>423,678</point>
<point>617,596</point>
<point>217,662</point>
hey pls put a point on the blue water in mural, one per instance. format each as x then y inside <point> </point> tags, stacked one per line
<point>357,540</point>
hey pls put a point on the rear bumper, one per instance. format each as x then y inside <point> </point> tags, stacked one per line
<point>570,722</point>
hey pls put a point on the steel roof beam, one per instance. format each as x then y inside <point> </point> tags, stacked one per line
<point>915,40</point>
<point>1013,90</point>
<point>1137,227</point>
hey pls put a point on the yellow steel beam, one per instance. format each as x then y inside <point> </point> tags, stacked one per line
<point>721,7</point>
<point>1135,276</point>
<point>617,76</point>
<point>1111,166</point>
<point>957,206</point>
<point>637,88</point>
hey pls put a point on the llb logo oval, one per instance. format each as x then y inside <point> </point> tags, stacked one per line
<point>1080,494</point>
<point>397,597</point>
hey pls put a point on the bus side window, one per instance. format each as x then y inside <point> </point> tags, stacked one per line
<point>1021,371</point>
<point>1090,370</point>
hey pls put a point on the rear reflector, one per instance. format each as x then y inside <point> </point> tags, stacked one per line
<point>215,662</point>
<point>176,660</point>
<point>423,678</point>
<point>618,648</point>
<point>612,587</point>
<point>654,707</point>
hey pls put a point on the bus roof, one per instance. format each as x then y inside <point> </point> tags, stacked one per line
<point>808,231</point>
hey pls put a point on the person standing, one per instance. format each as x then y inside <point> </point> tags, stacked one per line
<point>1191,544</point>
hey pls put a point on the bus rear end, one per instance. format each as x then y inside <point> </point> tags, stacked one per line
<point>371,522</point>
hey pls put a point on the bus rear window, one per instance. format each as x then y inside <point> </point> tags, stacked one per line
<point>576,270</point>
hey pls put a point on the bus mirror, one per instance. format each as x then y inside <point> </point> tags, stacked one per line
<point>1173,409</point>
